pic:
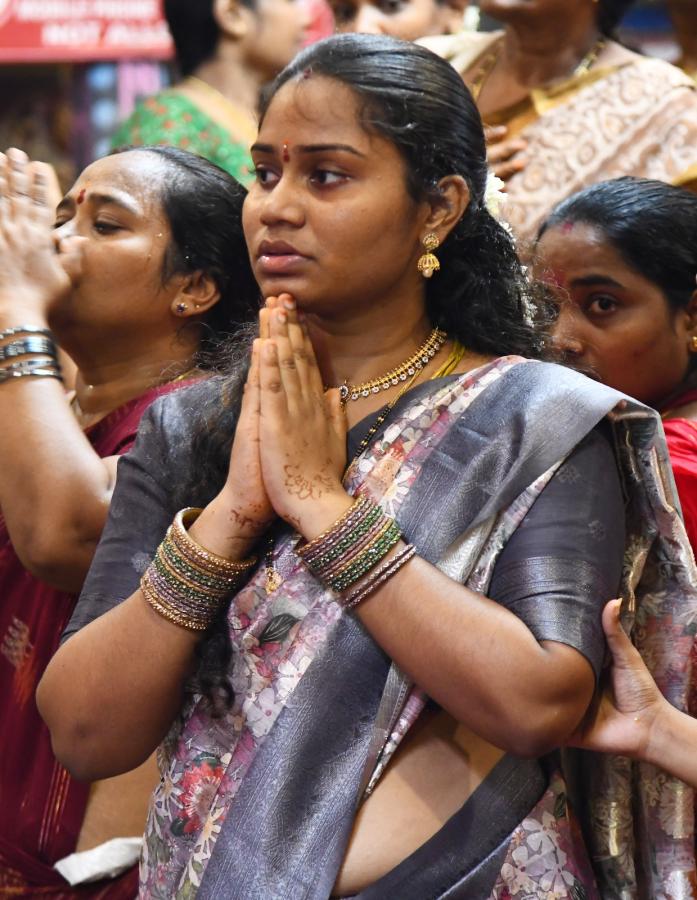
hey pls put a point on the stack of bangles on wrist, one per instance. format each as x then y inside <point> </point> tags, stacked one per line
<point>353,556</point>
<point>30,353</point>
<point>187,584</point>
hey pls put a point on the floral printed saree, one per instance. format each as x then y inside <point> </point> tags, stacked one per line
<point>260,802</point>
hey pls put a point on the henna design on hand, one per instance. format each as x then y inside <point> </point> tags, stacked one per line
<point>306,488</point>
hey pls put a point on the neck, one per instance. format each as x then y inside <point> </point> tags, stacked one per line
<point>120,374</point>
<point>368,345</point>
<point>534,55</point>
<point>227,73</point>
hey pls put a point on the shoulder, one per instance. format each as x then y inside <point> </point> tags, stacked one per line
<point>657,77</point>
<point>157,111</point>
<point>462,49</point>
<point>174,416</point>
<point>557,382</point>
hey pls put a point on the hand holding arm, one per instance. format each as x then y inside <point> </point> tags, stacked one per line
<point>632,717</point>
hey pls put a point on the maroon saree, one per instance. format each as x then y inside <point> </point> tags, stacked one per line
<point>42,806</point>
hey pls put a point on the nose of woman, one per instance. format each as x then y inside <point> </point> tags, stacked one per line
<point>566,340</point>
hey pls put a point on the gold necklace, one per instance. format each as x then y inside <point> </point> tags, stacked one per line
<point>239,117</point>
<point>401,373</point>
<point>489,62</point>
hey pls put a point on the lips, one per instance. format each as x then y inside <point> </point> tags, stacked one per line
<point>279,257</point>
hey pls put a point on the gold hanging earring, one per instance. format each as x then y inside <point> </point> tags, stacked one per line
<point>428,263</point>
<point>693,343</point>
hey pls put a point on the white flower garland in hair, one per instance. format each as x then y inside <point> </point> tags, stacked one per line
<point>494,198</point>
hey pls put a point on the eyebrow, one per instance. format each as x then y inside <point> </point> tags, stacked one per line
<point>312,148</point>
<point>101,200</point>
<point>594,280</point>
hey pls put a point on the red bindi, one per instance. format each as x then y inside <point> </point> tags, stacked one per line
<point>81,196</point>
<point>567,227</point>
<point>285,155</point>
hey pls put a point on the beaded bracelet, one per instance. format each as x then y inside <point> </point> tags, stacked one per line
<point>185,583</point>
<point>378,577</point>
<point>354,545</point>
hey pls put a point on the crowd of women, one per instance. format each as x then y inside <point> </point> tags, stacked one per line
<point>307,576</point>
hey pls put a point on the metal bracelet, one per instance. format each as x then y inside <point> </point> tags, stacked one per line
<point>27,346</point>
<point>378,577</point>
<point>41,368</point>
<point>25,329</point>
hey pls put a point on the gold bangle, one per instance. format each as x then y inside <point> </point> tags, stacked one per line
<point>169,612</point>
<point>208,561</point>
<point>315,542</point>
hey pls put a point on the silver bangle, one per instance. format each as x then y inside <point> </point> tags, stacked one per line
<point>25,329</point>
<point>39,368</point>
<point>27,346</point>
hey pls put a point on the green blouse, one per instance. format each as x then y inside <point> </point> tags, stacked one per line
<point>169,118</point>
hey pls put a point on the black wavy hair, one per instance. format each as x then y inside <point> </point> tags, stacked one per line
<point>480,296</point>
<point>652,225</point>
<point>203,205</point>
<point>194,31</point>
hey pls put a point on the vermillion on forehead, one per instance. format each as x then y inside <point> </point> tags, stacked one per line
<point>132,179</point>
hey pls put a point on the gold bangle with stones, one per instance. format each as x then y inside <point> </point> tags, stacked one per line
<point>187,584</point>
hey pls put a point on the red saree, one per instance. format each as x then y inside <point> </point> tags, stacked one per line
<point>42,806</point>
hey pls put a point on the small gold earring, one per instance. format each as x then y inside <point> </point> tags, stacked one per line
<point>428,263</point>
<point>693,343</point>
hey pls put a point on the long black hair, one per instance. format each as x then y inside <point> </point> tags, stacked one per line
<point>203,205</point>
<point>652,225</point>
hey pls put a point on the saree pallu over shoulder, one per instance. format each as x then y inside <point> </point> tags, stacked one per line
<point>260,803</point>
<point>641,120</point>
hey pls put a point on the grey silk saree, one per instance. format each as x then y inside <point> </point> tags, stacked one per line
<point>260,803</point>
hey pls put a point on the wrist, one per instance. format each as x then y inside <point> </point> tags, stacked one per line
<point>312,520</point>
<point>660,734</point>
<point>224,529</point>
<point>22,309</point>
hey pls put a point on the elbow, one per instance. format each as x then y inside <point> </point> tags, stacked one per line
<point>538,729</point>
<point>79,743</point>
<point>56,557</point>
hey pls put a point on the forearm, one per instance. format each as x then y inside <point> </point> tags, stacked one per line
<point>54,489</point>
<point>478,660</point>
<point>112,691</point>
<point>672,744</point>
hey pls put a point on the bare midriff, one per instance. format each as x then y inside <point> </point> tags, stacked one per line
<point>117,807</point>
<point>436,768</point>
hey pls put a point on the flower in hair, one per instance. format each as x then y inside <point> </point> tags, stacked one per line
<point>494,198</point>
